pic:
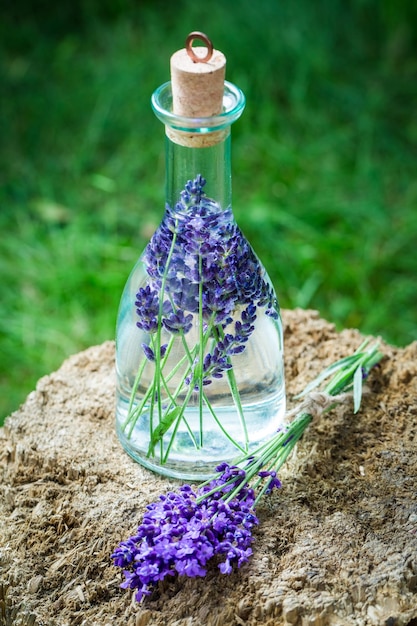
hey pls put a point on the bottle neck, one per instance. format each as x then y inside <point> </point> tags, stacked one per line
<point>198,147</point>
<point>212,162</point>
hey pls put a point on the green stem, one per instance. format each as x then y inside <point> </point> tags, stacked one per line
<point>220,425</point>
<point>201,351</point>
<point>176,368</point>
<point>236,396</point>
<point>296,431</point>
<point>134,391</point>
<point>157,375</point>
<point>177,423</point>
<point>138,411</point>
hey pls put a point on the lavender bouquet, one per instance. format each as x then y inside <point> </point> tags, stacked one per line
<point>186,530</point>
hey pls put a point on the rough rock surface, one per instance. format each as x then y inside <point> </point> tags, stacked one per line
<point>337,545</point>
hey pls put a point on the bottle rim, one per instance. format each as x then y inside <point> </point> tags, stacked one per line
<point>233,105</point>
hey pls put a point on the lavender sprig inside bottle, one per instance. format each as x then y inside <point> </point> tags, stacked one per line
<point>198,308</point>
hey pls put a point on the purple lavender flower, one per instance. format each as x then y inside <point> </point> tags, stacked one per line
<point>149,353</point>
<point>147,309</point>
<point>183,531</point>
<point>178,321</point>
<point>273,482</point>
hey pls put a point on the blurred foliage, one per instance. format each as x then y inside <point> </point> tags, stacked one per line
<point>324,160</point>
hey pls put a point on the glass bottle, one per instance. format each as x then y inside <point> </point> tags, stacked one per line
<point>199,346</point>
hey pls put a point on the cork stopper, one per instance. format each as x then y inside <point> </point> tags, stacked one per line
<point>197,82</point>
<point>197,78</point>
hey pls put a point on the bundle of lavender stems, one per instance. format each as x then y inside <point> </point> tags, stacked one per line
<point>187,530</point>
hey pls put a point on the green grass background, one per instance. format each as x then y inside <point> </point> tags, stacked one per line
<point>324,161</point>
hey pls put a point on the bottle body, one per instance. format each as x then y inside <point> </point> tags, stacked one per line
<point>199,347</point>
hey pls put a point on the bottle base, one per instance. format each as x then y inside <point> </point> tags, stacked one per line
<point>197,461</point>
<point>198,471</point>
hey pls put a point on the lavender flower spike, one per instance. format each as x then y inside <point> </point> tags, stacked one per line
<point>183,531</point>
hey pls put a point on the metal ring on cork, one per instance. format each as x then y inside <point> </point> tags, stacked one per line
<point>189,47</point>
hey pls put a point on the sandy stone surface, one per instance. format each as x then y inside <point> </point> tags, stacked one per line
<point>337,545</point>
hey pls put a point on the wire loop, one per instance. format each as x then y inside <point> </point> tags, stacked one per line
<point>189,47</point>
